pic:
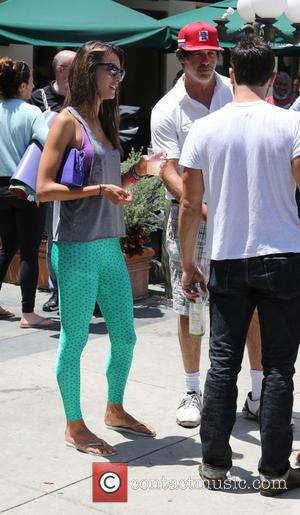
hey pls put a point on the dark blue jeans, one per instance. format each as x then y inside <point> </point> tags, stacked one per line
<point>272,284</point>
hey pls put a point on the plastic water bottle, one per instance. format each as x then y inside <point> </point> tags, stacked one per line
<point>197,321</point>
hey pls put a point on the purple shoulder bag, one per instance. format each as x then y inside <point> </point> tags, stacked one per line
<point>72,170</point>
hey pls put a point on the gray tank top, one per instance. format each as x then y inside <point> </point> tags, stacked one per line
<point>91,218</point>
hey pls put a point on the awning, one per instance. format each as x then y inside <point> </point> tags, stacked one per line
<point>70,23</point>
<point>210,13</point>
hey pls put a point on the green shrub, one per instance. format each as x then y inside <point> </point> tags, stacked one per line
<point>146,212</point>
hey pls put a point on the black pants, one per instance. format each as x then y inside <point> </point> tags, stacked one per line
<point>21,227</point>
<point>237,286</point>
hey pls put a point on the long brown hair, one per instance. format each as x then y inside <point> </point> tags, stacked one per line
<point>82,90</point>
<point>12,75</point>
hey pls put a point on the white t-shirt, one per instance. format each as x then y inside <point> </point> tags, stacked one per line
<point>296,105</point>
<point>174,114</point>
<point>249,186</point>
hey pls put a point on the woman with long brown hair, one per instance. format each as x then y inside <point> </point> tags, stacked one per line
<point>86,252</point>
<point>21,222</point>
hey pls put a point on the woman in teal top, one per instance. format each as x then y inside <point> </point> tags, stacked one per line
<point>21,222</point>
<point>86,254</point>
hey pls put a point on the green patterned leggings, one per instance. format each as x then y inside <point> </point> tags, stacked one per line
<point>87,272</point>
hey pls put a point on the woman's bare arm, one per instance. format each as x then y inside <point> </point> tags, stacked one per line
<point>64,133</point>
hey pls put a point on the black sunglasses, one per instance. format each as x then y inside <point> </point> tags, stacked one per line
<point>113,70</point>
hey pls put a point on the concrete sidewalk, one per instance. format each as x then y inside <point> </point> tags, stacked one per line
<point>40,476</point>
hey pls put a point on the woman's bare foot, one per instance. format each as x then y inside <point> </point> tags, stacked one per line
<point>117,417</point>
<point>34,320</point>
<point>79,436</point>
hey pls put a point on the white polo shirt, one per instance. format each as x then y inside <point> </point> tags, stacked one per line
<point>174,114</point>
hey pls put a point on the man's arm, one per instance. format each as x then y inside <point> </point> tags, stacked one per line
<point>164,138</point>
<point>189,225</point>
<point>171,178</point>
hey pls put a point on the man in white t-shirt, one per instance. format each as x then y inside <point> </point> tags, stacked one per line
<point>249,171</point>
<point>199,92</point>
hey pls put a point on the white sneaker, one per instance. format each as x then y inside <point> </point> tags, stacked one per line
<point>188,413</point>
<point>251,409</point>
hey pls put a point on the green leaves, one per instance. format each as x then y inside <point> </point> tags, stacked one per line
<point>146,212</point>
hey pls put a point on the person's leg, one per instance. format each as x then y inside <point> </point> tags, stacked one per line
<point>115,299</point>
<point>280,329</point>
<point>254,343</point>
<point>76,266</point>
<point>280,343</point>
<point>231,309</point>
<point>188,413</point>
<point>52,302</point>
<point>9,241</point>
<point>165,256</point>
<point>8,235</point>
<point>251,406</point>
<point>30,222</point>
<point>190,349</point>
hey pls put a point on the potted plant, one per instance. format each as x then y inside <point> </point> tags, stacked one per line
<point>142,217</point>
<point>13,272</point>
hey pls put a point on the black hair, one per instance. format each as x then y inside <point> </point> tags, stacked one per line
<point>182,54</point>
<point>253,61</point>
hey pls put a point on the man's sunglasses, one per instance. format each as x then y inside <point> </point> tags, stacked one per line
<point>113,71</point>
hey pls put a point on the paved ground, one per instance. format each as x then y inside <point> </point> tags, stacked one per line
<point>38,475</point>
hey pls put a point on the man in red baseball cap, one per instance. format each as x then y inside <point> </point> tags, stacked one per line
<point>198,36</point>
<point>199,92</point>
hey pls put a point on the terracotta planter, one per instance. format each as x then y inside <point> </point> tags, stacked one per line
<point>138,267</point>
<point>12,275</point>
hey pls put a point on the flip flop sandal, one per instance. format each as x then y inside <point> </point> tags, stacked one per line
<point>6,313</point>
<point>83,449</point>
<point>130,429</point>
<point>40,325</point>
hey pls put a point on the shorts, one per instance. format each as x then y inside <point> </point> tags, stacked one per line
<point>180,302</point>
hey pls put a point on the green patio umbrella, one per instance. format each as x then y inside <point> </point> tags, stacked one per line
<point>73,22</point>
<point>210,13</point>
<point>206,14</point>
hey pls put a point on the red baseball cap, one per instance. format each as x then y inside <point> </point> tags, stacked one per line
<point>198,36</point>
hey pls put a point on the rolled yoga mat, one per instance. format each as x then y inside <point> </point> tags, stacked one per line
<point>23,181</point>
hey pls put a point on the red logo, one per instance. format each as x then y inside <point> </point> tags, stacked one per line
<point>110,482</point>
